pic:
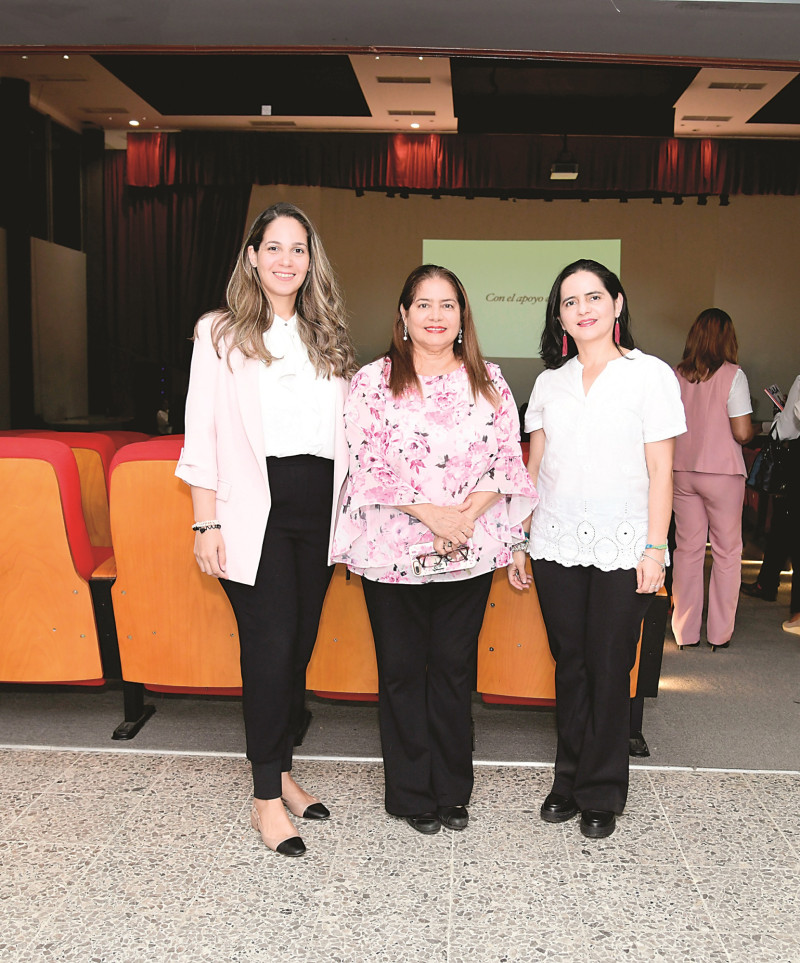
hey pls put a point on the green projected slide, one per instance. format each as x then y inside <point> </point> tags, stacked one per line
<point>508,283</point>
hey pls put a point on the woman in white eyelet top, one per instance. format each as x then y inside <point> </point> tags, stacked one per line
<point>602,419</point>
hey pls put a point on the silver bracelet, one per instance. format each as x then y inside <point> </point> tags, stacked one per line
<point>521,546</point>
<point>663,566</point>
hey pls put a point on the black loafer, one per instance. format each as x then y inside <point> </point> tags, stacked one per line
<point>637,745</point>
<point>598,823</point>
<point>454,817</point>
<point>426,823</point>
<point>557,808</point>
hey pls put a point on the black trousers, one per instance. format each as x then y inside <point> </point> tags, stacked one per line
<point>783,545</point>
<point>278,617</point>
<point>426,641</point>
<point>593,619</point>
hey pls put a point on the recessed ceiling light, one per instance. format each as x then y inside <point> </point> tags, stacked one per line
<point>134,123</point>
<point>66,56</point>
<point>415,126</point>
<point>24,56</point>
<point>421,58</point>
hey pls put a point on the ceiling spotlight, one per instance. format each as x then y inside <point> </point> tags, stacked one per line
<point>415,126</point>
<point>133,123</point>
<point>421,58</point>
<point>66,56</point>
<point>565,167</point>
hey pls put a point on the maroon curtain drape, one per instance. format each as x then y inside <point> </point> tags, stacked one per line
<point>169,254</point>
<point>483,164</point>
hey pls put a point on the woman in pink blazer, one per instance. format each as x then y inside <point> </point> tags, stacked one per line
<point>266,457</point>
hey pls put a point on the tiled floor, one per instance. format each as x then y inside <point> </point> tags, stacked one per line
<point>134,857</point>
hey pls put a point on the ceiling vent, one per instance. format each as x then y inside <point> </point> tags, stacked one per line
<point>403,80</point>
<point>411,113</point>
<point>273,123</point>
<point>710,118</point>
<point>724,85</point>
<point>58,79</point>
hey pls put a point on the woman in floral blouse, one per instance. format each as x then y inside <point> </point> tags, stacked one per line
<point>433,504</point>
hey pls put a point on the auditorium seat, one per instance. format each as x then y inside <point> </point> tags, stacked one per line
<point>93,451</point>
<point>343,665</point>
<point>49,629</point>
<point>175,626</point>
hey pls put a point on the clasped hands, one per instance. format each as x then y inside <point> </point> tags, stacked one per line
<point>452,525</point>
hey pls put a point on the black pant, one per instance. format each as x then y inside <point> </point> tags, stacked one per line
<point>278,617</point>
<point>783,545</point>
<point>593,619</point>
<point>426,641</point>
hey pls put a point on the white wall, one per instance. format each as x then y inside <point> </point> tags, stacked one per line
<point>60,366</point>
<point>676,261</point>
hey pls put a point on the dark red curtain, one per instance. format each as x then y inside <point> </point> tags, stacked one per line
<point>456,163</point>
<point>169,254</point>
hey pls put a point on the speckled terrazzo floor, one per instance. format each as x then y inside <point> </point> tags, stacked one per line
<point>131,856</point>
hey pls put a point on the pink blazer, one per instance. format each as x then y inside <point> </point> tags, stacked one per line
<point>224,449</point>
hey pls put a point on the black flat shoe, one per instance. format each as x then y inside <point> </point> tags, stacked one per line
<point>597,823</point>
<point>557,808</point>
<point>722,645</point>
<point>425,823</point>
<point>637,745</point>
<point>316,811</point>
<point>294,846</point>
<point>754,590</point>
<point>688,645</point>
<point>454,817</point>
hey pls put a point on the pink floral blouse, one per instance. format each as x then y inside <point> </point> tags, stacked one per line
<point>433,449</point>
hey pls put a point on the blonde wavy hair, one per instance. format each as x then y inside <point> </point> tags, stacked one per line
<point>321,320</point>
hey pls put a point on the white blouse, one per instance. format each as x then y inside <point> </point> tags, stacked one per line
<point>298,408</point>
<point>593,483</point>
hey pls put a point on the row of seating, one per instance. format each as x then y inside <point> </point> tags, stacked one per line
<point>172,628</point>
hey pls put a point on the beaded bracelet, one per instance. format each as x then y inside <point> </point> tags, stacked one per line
<point>657,547</point>
<point>205,526</point>
<point>520,546</point>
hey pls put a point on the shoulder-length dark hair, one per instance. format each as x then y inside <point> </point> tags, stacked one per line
<point>321,319</point>
<point>550,347</point>
<point>403,375</point>
<point>711,342</point>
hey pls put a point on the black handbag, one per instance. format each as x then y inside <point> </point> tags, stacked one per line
<point>772,470</point>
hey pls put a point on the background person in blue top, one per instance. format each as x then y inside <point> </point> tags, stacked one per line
<point>602,419</point>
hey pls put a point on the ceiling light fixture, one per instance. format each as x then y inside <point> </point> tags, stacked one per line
<point>565,167</point>
<point>134,123</point>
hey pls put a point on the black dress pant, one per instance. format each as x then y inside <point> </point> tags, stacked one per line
<point>782,547</point>
<point>278,617</point>
<point>426,641</point>
<point>593,619</point>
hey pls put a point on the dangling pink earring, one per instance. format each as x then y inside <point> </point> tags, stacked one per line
<point>564,346</point>
<point>616,331</point>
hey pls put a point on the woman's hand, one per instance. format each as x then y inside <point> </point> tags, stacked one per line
<point>650,571</point>
<point>209,551</point>
<point>447,523</point>
<point>518,577</point>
